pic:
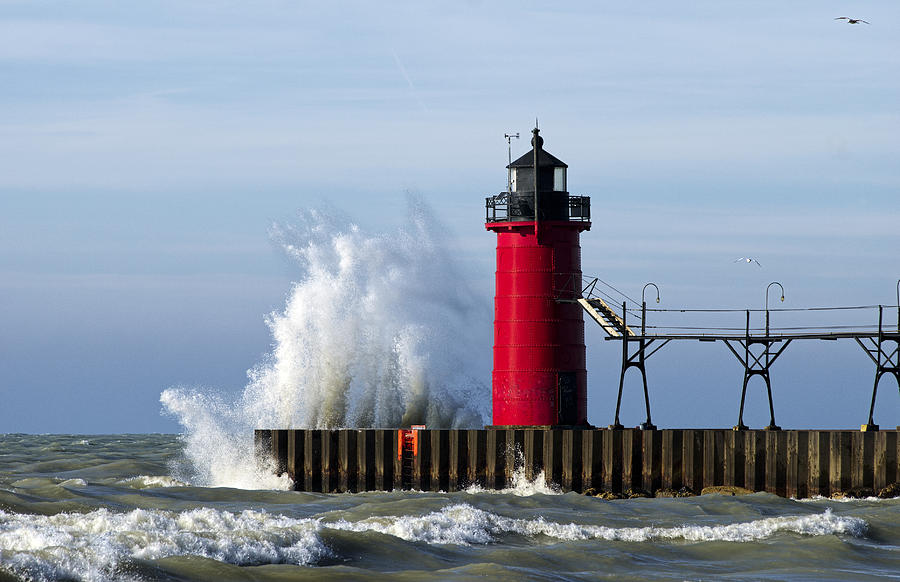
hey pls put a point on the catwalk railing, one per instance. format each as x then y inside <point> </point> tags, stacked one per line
<point>755,342</point>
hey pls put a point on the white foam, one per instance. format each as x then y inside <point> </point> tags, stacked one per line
<point>521,486</point>
<point>464,524</point>
<point>378,331</point>
<point>151,481</point>
<point>89,546</point>
<point>847,499</point>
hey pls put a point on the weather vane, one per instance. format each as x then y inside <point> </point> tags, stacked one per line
<point>509,137</point>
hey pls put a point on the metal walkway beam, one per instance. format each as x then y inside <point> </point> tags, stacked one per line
<point>881,345</point>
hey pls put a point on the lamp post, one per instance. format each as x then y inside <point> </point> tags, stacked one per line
<point>642,356</point>
<point>657,291</point>
<point>767,302</point>
<point>644,307</point>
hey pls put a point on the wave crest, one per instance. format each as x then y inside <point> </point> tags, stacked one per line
<point>464,524</point>
<point>90,546</point>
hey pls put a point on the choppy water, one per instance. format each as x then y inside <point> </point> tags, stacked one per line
<point>76,507</point>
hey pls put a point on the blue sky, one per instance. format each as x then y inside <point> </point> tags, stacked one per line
<point>147,149</point>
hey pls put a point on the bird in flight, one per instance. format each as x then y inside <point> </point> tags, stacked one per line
<point>747,260</point>
<point>851,20</point>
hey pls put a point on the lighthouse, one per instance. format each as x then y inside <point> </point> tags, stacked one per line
<point>540,390</point>
<point>539,376</point>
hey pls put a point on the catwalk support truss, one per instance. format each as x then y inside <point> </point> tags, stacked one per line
<point>757,349</point>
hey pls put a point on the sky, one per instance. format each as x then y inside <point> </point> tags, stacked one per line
<point>147,148</point>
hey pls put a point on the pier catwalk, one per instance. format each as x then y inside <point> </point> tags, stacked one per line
<point>756,348</point>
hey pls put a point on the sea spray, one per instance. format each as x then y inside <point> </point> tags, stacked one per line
<point>218,446</point>
<point>379,330</point>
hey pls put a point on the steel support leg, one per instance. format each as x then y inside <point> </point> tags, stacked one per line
<point>647,425</point>
<point>740,423</point>
<point>629,362</point>
<point>879,373</point>
<point>757,365</point>
<point>772,425</point>
<point>748,373</point>
<point>887,360</point>
<point>617,425</point>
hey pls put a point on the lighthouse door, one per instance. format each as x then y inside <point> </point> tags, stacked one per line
<point>568,407</point>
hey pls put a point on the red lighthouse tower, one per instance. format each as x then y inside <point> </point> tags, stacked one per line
<point>539,375</point>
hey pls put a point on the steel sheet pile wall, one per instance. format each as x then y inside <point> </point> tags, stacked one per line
<point>790,463</point>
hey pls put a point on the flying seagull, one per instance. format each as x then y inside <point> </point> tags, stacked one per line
<point>747,260</point>
<point>851,20</point>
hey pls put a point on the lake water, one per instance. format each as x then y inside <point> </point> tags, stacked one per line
<point>119,507</point>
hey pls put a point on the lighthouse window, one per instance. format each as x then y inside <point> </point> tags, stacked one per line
<point>559,179</point>
<point>512,180</point>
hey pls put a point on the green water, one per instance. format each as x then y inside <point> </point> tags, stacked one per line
<point>121,507</point>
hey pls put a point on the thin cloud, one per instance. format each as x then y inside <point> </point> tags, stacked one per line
<point>412,87</point>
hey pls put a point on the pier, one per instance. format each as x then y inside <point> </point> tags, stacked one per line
<point>539,386</point>
<point>788,463</point>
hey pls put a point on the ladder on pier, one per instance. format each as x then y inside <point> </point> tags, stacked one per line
<point>407,451</point>
<point>608,319</point>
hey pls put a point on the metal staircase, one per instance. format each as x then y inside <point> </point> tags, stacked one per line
<point>608,319</point>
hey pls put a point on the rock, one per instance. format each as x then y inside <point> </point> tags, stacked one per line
<point>636,494</point>
<point>889,492</point>
<point>854,493</point>
<point>725,490</point>
<point>683,492</point>
<point>608,495</point>
<point>861,492</point>
<point>591,492</point>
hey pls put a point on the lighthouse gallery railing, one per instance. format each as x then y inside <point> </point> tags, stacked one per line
<point>510,206</point>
